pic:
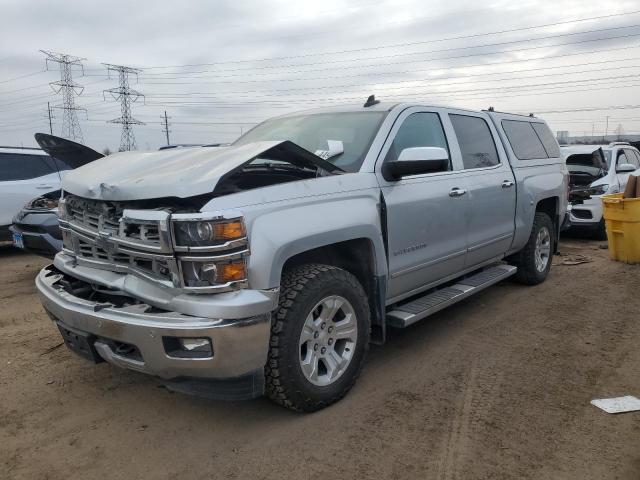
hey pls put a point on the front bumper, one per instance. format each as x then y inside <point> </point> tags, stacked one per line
<point>40,231</point>
<point>239,345</point>
<point>586,214</point>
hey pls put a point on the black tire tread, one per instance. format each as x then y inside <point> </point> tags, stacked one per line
<point>527,273</point>
<point>292,289</point>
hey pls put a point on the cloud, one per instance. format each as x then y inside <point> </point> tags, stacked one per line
<point>267,58</point>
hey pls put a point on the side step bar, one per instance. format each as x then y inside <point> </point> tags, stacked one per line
<point>406,314</point>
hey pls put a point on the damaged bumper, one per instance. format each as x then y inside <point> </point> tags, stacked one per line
<point>140,337</point>
<point>587,213</point>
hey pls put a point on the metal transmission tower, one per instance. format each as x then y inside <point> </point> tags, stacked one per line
<point>165,126</point>
<point>69,90</point>
<point>126,96</point>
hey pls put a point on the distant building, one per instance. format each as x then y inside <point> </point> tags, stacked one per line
<point>597,139</point>
<point>563,137</point>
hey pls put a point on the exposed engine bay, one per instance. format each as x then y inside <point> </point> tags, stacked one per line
<point>584,169</point>
<point>48,201</point>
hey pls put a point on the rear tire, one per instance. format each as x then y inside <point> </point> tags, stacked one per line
<point>534,260</point>
<point>319,337</point>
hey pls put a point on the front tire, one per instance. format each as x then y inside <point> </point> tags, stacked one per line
<point>319,337</point>
<point>534,260</point>
<point>600,232</point>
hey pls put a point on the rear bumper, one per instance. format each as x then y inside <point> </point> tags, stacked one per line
<point>239,346</point>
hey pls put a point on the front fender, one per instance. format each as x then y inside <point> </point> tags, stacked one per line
<point>278,235</point>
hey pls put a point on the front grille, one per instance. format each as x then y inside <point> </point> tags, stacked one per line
<point>110,236</point>
<point>110,219</point>
<point>94,214</point>
<point>160,267</point>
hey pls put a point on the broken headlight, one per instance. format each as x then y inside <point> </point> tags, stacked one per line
<point>598,190</point>
<point>209,272</point>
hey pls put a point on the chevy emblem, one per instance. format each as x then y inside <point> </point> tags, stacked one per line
<point>102,241</point>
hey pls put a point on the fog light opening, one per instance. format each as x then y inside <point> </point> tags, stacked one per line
<point>185,347</point>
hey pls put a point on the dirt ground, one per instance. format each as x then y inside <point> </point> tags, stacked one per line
<point>495,387</point>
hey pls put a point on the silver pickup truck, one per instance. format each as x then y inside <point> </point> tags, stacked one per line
<point>268,266</point>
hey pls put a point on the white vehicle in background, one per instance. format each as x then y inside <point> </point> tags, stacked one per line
<point>25,173</point>
<point>596,170</point>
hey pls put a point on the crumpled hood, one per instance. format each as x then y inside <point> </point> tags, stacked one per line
<point>178,173</point>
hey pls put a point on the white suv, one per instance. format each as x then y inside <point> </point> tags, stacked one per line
<point>597,170</point>
<point>25,173</point>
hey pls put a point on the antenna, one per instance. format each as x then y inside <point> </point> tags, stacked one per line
<point>371,101</point>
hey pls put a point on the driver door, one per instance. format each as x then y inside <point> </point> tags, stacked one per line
<point>426,219</point>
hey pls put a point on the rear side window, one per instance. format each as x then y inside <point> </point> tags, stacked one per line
<point>548,140</point>
<point>15,166</point>
<point>476,142</point>
<point>418,130</point>
<point>631,157</point>
<point>524,140</point>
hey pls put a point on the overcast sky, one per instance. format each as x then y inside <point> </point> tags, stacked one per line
<point>219,67</point>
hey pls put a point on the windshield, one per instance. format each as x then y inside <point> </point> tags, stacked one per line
<point>313,132</point>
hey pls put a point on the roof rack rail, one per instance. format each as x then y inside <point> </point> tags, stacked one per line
<point>493,110</point>
<point>20,148</point>
<point>613,144</point>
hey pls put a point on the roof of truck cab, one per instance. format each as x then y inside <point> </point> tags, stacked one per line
<point>379,107</point>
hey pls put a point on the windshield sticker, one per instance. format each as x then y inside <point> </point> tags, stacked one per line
<point>336,147</point>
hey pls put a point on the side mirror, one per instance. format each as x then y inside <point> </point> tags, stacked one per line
<point>416,160</point>
<point>625,168</point>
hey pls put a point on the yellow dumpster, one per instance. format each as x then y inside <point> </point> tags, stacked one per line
<point>622,217</point>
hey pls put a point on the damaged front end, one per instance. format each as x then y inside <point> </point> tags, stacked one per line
<point>584,170</point>
<point>168,240</point>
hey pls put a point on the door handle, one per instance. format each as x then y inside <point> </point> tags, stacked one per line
<point>42,186</point>
<point>507,184</point>
<point>457,192</point>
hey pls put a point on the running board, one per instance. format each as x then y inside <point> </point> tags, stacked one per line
<point>415,310</point>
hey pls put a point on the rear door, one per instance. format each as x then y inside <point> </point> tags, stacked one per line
<point>490,185</point>
<point>625,155</point>
<point>22,178</point>
<point>426,219</point>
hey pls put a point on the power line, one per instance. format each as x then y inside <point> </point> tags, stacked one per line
<point>126,95</point>
<point>22,76</point>
<point>405,44</point>
<point>69,90</point>
<point>278,69</point>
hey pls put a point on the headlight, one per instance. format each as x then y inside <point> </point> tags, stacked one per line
<point>212,249</point>
<point>207,233</point>
<point>211,272</point>
<point>598,190</point>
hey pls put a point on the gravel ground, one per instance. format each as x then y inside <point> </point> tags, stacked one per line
<point>495,387</point>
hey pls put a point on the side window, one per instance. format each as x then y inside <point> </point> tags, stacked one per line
<point>549,142</point>
<point>16,166</point>
<point>524,140</point>
<point>418,130</point>
<point>631,156</point>
<point>622,158</point>
<point>476,142</point>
